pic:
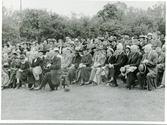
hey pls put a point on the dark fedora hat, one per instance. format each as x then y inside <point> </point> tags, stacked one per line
<point>142,68</point>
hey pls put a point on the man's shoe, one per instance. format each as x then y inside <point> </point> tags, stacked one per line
<point>51,90</point>
<point>38,88</point>
<point>134,85</point>
<point>87,83</point>
<point>108,84</point>
<point>82,84</point>
<point>115,85</point>
<point>111,80</point>
<point>32,87</point>
<point>17,87</point>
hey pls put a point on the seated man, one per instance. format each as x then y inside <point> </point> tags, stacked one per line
<point>53,77</point>
<point>160,64</point>
<point>36,70</point>
<point>120,61</point>
<point>150,60</point>
<point>99,60</point>
<point>131,66</point>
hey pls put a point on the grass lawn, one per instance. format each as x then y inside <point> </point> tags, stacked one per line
<point>84,103</point>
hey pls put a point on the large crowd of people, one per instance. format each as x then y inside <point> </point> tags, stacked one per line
<point>138,61</point>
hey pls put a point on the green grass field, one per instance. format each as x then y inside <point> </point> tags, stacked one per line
<point>84,103</point>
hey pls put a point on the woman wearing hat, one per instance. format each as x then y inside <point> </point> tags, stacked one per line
<point>23,72</point>
<point>73,70</point>
<point>110,60</point>
<point>85,67</point>
<point>99,60</point>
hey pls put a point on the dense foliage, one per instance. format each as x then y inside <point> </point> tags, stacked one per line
<point>113,19</point>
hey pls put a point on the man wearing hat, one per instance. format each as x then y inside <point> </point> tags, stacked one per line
<point>149,36</point>
<point>143,40</point>
<point>113,42</point>
<point>53,77</point>
<point>150,60</point>
<point>155,42</point>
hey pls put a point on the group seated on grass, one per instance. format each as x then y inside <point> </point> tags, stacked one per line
<point>137,61</point>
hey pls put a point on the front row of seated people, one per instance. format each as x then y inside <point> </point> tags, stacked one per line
<point>106,66</point>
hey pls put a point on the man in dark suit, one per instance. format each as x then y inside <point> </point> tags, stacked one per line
<point>54,76</point>
<point>121,59</point>
<point>150,60</point>
<point>35,71</point>
<point>133,62</point>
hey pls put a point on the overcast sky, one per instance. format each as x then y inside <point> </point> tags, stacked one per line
<point>64,7</point>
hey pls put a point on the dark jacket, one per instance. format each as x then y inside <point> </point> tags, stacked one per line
<point>55,70</point>
<point>134,59</point>
<point>120,61</point>
<point>37,63</point>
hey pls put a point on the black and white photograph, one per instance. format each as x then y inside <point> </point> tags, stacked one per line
<point>83,60</point>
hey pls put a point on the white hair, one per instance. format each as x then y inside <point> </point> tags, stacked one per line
<point>119,46</point>
<point>134,46</point>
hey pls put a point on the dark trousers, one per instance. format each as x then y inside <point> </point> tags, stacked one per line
<point>141,79</point>
<point>131,77</point>
<point>47,79</point>
<point>147,79</point>
<point>159,78</point>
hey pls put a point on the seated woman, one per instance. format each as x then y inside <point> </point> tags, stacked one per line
<point>23,72</point>
<point>85,67</point>
<point>72,73</point>
<point>5,77</point>
<point>99,60</point>
<point>110,60</point>
<point>66,63</point>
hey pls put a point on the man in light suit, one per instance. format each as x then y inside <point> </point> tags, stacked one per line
<point>150,60</point>
<point>54,76</point>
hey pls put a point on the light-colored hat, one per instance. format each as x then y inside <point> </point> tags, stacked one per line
<point>142,68</point>
<point>149,34</point>
<point>141,36</point>
<point>56,49</point>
